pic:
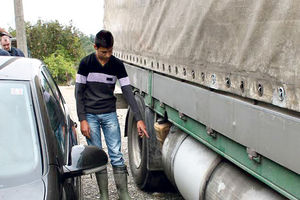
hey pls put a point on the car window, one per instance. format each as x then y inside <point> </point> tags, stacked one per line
<point>55,113</point>
<point>20,158</point>
<point>54,87</point>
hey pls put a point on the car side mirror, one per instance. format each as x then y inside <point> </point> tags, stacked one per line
<point>85,160</point>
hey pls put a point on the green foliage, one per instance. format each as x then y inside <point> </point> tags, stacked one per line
<point>60,66</point>
<point>44,38</point>
<point>12,31</point>
<point>88,43</point>
<point>60,47</point>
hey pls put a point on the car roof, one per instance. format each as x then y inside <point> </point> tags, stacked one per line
<point>19,68</point>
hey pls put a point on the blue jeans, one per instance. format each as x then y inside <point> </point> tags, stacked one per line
<point>109,124</point>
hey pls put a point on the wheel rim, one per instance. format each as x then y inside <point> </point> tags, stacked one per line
<point>136,148</point>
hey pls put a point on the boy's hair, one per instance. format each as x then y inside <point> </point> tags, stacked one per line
<point>104,39</point>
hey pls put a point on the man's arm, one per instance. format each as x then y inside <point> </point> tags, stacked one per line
<point>80,85</point>
<point>79,95</point>
<point>127,93</point>
<point>129,97</point>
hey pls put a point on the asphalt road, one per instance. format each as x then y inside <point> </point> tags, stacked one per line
<point>90,189</point>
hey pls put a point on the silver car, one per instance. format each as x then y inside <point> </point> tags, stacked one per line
<point>39,154</point>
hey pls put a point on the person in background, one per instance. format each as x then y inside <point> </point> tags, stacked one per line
<point>6,44</point>
<point>96,108</point>
<point>4,53</point>
<point>4,32</point>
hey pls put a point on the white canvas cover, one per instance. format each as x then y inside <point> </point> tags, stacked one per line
<point>245,47</point>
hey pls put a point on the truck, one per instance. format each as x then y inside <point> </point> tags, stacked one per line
<point>218,85</point>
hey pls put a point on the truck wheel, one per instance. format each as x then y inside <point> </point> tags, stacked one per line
<point>138,151</point>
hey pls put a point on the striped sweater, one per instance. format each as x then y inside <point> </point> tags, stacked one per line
<point>95,86</point>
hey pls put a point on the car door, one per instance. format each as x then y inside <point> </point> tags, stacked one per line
<point>62,128</point>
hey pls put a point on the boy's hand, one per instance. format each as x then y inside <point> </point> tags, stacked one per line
<point>141,128</point>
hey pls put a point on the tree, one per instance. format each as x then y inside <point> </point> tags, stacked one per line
<point>87,43</point>
<point>44,38</point>
<point>60,47</point>
<point>62,69</point>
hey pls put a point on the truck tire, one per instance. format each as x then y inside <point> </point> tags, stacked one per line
<point>138,149</point>
<point>137,152</point>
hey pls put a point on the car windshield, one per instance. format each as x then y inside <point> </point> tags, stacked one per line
<point>20,159</point>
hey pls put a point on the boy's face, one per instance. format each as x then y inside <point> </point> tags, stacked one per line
<point>103,53</point>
